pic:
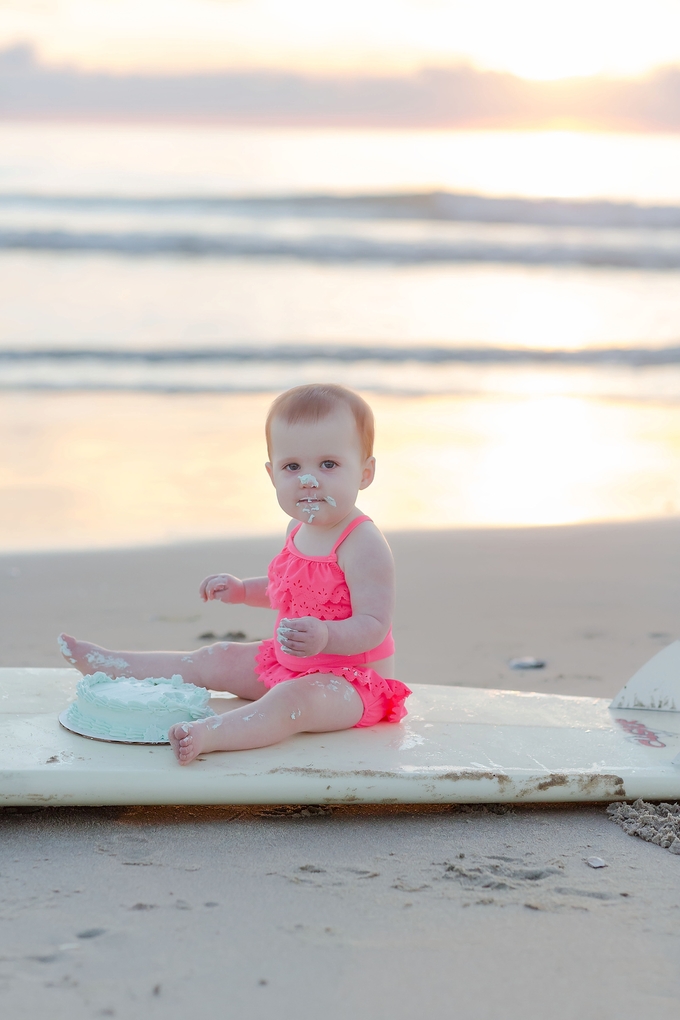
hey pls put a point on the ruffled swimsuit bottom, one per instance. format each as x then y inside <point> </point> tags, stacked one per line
<point>383,699</point>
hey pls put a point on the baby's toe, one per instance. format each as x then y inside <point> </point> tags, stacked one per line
<point>177,735</point>
<point>183,743</point>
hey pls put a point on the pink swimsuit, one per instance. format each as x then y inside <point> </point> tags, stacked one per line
<point>302,585</point>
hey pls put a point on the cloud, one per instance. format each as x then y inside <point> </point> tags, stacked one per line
<point>432,97</point>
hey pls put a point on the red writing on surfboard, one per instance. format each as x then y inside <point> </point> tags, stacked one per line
<point>639,732</point>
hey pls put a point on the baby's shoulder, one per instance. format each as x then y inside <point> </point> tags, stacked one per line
<point>365,544</point>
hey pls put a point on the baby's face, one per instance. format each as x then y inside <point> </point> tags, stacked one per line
<point>318,468</point>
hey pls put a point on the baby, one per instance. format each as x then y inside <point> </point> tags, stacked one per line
<point>327,665</point>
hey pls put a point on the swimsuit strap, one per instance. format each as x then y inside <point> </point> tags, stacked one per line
<point>350,528</point>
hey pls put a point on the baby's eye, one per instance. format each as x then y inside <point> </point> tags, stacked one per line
<point>328,464</point>
<point>293,466</point>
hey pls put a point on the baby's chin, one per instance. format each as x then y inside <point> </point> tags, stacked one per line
<point>324,517</point>
<point>309,511</point>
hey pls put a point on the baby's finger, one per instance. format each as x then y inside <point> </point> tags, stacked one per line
<point>294,626</point>
<point>298,646</point>
<point>289,639</point>
<point>286,630</point>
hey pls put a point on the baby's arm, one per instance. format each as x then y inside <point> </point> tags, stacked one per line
<point>368,566</point>
<point>226,588</point>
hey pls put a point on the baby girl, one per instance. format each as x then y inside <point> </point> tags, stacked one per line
<point>327,665</point>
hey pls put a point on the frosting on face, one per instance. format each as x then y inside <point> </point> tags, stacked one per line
<point>135,711</point>
<point>312,509</point>
<point>311,505</point>
<point>309,480</point>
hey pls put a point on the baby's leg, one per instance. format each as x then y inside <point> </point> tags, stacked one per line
<point>224,666</point>
<point>313,704</point>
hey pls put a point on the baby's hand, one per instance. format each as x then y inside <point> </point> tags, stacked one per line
<point>303,637</point>
<point>224,587</point>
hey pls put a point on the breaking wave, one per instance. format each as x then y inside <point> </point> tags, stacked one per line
<point>434,205</point>
<point>636,373</point>
<point>432,227</point>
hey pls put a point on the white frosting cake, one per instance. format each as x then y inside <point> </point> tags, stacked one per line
<point>134,711</point>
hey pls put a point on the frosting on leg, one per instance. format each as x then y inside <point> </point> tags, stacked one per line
<point>223,666</point>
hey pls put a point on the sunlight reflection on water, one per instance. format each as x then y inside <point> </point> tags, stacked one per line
<point>83,470</point>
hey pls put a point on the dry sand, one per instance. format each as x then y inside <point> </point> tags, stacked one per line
<point>466,912</point>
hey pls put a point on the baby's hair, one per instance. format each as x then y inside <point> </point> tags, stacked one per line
<point>313,403</point>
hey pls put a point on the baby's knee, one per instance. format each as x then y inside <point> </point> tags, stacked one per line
<point>318,702</point>
<point>219,649</point>
<point>312,691</point>
<point>293,697</point>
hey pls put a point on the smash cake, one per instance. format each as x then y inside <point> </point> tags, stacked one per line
<point>134,711</point>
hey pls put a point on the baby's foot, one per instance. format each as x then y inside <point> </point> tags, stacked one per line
<point>88,658</point>
<point>190,739</point>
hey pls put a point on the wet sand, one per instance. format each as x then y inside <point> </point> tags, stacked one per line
<point>108,469</point>
<point>468,912</point>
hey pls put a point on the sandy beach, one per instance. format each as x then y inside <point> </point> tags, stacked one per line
<point>134,912</point>
<point>595,601</point>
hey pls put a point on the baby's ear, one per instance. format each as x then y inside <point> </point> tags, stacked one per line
<point>368,473</point>
<point>270,472</point>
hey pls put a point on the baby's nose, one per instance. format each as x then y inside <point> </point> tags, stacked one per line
<point>308,482</point>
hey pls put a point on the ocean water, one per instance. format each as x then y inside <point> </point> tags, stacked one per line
<point>515,293</point>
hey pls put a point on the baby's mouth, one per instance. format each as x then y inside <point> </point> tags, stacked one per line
<point>312,504</point>
<point>315,500</point>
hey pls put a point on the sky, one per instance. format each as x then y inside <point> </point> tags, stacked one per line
<point>540,39</point>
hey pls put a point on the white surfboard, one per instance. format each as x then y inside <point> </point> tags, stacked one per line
<point>457,745</point>
<point>656,686</point>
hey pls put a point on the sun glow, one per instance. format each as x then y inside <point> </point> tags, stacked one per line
<point>529,38</point>
<point>122,469</point>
